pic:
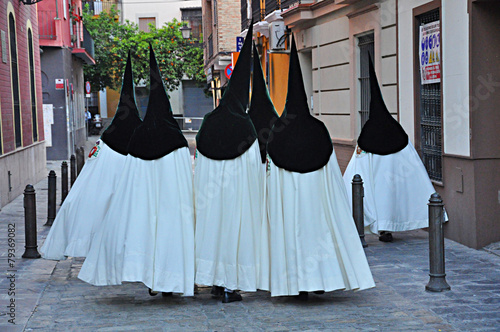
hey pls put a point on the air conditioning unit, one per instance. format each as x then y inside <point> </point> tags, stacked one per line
<point>277,35</point>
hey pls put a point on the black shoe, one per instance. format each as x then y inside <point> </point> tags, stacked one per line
<point>217,292</point>
<point>152,292</point>
<point>303,296</point>
<point>319,292</point>
<point>231,297</point>
<point>167,294</point>
<point>385,237</point>
<point>196,290</point>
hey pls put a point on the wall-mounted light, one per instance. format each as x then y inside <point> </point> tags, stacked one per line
<point>186,31</point>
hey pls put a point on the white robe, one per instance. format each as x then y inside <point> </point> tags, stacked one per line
<point>229,221</point>
<point>314,244</point>
<point>397,189</point>
<point>85,206</point>
<point>148,232</point>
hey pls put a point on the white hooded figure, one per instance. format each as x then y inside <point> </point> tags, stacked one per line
<point>148,233</point>
<point>229,191</point>
<point>263,116</point>
<point>314,244</point>
<point>83,210</point>
<point>396,185</point>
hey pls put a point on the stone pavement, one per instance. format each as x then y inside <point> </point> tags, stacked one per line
<point>50,297</point>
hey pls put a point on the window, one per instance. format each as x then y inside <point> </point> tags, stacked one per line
<point>15,80</point>
<point>429,116</point>
<point>144,23</point>
<point>33,86</point>
<point>215,12</point>
<point>366,50</point>
<point>194,18</point>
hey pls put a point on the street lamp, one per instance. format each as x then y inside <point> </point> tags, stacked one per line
<point>186,31</point>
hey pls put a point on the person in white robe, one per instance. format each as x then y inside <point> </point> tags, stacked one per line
<point>263,116</point>
<point>148,232</point>
<point>84,208</point>
<point>314,244</point>
<point>396,185</point>
<point>228,191</point>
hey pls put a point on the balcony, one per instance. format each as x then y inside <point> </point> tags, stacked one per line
<point>47,25</point>
<point>97,7</point>
<point>83,44</point>
<point>271,6</point>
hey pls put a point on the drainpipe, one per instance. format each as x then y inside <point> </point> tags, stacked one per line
<point>57,11</point>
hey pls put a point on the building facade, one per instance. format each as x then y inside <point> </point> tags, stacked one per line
<point>449,111</point>
<point>66,48</point>
<point>221,25</point>
<point>22,149</point>
<point>188,101</point>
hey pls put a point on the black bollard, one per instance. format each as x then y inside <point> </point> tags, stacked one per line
<point>82,159</point>
<point>357,207</point>
<point>64,181</point>
<point>30,223</point>
<point>437,281</point>
<point>72,165</point>
<point>51,207</point>
<point>79,160</point>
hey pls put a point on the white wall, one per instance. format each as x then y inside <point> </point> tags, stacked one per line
<point>164,11</point>
<point>103,103</point>
<point>454,71</point>
<point>405,56</point>
<point>455,57</point>
<point>176,100</point>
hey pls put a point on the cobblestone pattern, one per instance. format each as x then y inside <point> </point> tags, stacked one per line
<point>50,297</point>
<point>398,303</point>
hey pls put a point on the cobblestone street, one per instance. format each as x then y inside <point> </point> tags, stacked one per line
<point>50,297</point>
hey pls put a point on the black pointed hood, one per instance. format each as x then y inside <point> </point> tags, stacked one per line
<point>299,142</point>
<point>262,111</point>
<point>159,134</point>
<point>126,119</point>
<point>381,134</point>
<point>227,132</point>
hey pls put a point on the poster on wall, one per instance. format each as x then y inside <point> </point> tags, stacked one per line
<point>429,46</point>
<point>48,121</point>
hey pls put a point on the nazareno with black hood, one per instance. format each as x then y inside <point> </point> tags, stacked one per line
<point>227,132</point>
<point>126,118</point>
<point>159,134</point>
<point>298,141</point>
<point>381,134</point>
<point>262,111</point>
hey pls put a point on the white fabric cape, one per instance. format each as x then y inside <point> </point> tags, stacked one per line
<point>148,232</point>
<point>314,243</point>
<point>229,198</point>
<point>397,189</point>
<point>84,208</point>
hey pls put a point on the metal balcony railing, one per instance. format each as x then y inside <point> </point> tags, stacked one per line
<point>88,42</point>
<point>97,7</point>
<point>82,39</point>
<point>271,5</point>
<point>47,24</point>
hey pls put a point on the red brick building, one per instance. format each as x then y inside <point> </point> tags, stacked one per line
<point>22,148</point>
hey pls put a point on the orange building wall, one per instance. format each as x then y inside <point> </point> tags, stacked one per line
<point>112,99</point>
<point>278,79</point>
